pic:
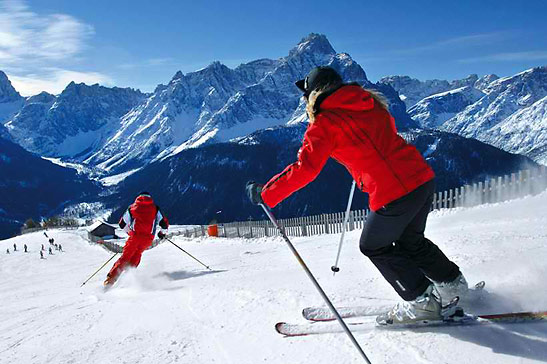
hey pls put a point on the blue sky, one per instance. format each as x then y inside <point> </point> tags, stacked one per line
<point>45,44</point>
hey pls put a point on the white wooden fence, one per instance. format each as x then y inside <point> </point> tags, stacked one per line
<point>527,182</point>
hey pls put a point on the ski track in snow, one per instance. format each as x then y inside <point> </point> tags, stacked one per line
<point>170,310</point>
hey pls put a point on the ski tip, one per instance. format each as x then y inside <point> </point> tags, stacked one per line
<point>285,329</point>
<point>279,327</point>
<point>480,285</point>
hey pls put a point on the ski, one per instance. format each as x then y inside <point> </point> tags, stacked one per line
<point>324,314</point>
<point>369,323</point>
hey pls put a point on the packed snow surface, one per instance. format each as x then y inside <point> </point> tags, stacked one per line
<point>170,309</point>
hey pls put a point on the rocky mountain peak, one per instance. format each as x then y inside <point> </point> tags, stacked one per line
<point>7,91</point>
<point>42,98</point>
<point>316,44</point>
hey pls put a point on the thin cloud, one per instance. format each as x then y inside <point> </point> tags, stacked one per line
<point>508,57</point>
<point>55,81</point>
<point>159,61</point>
<point>36,50</point>
<point>462,41</point>
<point>152,62</point>
<point>31,38</point>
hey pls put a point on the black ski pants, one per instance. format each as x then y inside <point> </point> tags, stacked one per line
<point>393,239</point>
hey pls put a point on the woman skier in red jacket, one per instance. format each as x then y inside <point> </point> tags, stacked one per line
<point>139,221</point>
<point>353,126</point>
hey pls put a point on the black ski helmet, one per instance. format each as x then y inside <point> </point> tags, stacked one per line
<point>318,77</point>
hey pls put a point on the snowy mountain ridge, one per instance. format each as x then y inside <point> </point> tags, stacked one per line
<point>413,90</point>
<point>507,112</point>
<point>510,116</point>
<point>217,104</point>
<point>7,91</point>
<point>72,123</point>
<point>434,110</point>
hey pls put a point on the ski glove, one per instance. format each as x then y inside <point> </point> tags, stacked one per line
<point>254,191</point>
<point>162,235</point>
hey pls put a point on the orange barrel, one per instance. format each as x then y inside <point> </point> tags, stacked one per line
<point>212,230</point>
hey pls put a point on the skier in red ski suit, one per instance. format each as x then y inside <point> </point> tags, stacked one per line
<point>353,126</point>
<point>139,221</point>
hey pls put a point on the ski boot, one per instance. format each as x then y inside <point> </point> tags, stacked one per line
<point>109,282</point>
<point>426,307</point>
<point>456,288</point>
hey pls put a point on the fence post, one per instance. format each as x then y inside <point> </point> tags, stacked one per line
<point>326,219</point>
<point>351,221</point>
<point>500,187</point>
<point>481,192</point>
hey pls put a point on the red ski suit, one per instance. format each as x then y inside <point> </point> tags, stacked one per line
<point>359,133</point>
<point>140,221</point>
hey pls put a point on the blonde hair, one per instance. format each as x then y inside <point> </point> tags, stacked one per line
<point>312,110</point>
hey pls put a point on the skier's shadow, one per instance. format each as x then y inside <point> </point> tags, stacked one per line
<point>182,274</point>
<point>525,340</point>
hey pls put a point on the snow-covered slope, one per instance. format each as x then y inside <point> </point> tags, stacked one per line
<point>73,123</point>
<point>217,104</point>
<point>171,310</point>
<point>434,110</point>
<point>511,116</point>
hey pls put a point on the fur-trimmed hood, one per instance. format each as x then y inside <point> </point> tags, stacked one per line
<point>348,96</point>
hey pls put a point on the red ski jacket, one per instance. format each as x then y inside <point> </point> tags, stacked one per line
<point>141,217</point>
<point>355,130</point>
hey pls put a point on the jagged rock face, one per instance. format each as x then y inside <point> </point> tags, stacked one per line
<point>524,132</point>
<point>73,122</point>
<point>485,81</point>
<point>217,104</point>
<point>7,92</point>
<point>10,100</point>
<point>434,110</point>
<point>510,116</point>
<point>411,90</point>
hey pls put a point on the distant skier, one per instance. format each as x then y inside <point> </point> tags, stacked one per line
<point>50,251</point>
<point>139,221</point>
<point>56,247</point>
<point>60,248</point>
<point>14,247</point>
<point>25,246</point>
<point>353,126</point>
<point>41,254</point>
<point>7,251</point>
<point>43,247</point>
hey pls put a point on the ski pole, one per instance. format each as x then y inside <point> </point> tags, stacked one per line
<point>97,271</point>
<point>315,283</point>
<point>335,267</point>
<point>187,253</point>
